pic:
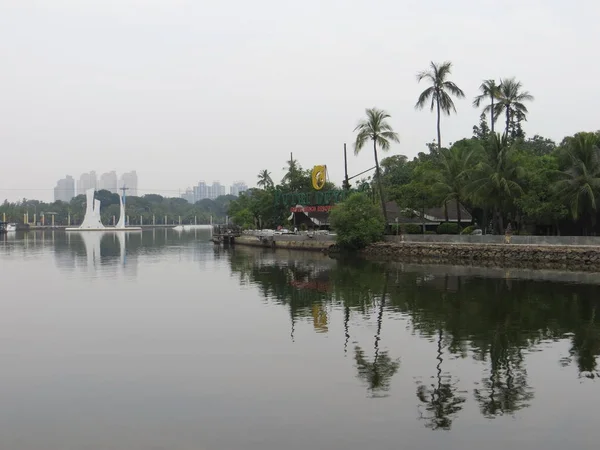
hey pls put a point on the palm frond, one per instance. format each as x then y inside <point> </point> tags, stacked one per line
<point>424,97</point>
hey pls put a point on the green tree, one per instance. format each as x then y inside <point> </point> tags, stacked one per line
<point>496,179</point>
<point>439,92</point>
<point>376,128</point>
<point>453,176</point>
<point>264,179</point>
<point>510,102</point>
<point>489,89</point>
<point>580,184</point>
<point>357,222</point>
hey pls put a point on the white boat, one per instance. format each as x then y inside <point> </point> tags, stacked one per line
<point>11,227</point>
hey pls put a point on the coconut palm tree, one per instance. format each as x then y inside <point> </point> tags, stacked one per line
<point>580,184</point>
<point>264,179</point>
<point>376,128</point>
<point>451,180</point>
<point>510,98</point>
<point>439,92</point>
<point>496,179</point>
<point>489,89</point>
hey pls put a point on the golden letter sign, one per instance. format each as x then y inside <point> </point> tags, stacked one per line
<point>319,176</point>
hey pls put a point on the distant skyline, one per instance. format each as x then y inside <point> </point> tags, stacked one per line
<point>178,87</point>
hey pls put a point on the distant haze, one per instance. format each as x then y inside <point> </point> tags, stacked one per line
<point>185,90</point>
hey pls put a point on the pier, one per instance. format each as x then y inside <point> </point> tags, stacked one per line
<point>225,234</point>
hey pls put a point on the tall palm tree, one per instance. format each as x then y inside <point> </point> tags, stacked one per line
<point>451,180</point>
<point>580,183</point>
<point>376,128</point>
<point>490,89</point>
<point>439,92</point>
<point>496,179</point>
<point>264,179</point>
<point>510,101</point>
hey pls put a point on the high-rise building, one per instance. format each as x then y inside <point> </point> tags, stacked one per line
<point>130,181</point>
<point>65,189</point>
<point>200,191</point>
<point>216,190</point>
<point>86,181</point>
<point>237,188</point>
<point>108,181</point>
<point>188,195</point>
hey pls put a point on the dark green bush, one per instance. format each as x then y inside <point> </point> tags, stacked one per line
<point>412,228</point>
<point>447,228</point>
<point>357,222</point>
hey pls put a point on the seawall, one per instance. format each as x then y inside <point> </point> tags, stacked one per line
<point>290,242</point>
<point>484,254</point>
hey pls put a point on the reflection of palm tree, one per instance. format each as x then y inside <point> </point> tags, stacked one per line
<point>377,374</point>
<point>506,391</point>
<point>441,402</point>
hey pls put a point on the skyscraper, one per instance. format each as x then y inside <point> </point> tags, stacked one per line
<point>65,189</point>
<point>108,181</point>
<point>86,181</point>
<point>237,188</point>
<point>200,191</point>
<point>130,181</point>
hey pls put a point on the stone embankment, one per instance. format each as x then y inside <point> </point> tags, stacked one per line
<point>502,254</point>
<point>286,242</point>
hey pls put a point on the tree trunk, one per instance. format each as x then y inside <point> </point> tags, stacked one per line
<point>378,174</point>
<point>458,213</point>
<point>446,210</point>
<point>499,220</point>
<point>507,120</point>
<point>439,133</point>
<point>492,112</point>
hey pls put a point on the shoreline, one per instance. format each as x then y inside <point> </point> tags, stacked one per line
<point>494,255</point>
<point>526,256</point>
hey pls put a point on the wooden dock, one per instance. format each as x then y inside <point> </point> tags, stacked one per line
<point>225,234</point>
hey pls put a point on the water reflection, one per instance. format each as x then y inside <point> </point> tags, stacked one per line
<point>98,252</point>
<point>496,323</point>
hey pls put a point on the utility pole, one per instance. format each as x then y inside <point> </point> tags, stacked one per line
<point>346,182</point>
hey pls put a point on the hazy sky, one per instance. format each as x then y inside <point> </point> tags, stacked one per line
<point>188,90</point>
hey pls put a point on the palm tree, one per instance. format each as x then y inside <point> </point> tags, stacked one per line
<point>264,179</point>
<point>495,181</point>
<point>580,183</point>
<point>488,89</point>
<point>452,178</point>
<point>439,92</point>
<point>376,128</point>
<point>510,101</point>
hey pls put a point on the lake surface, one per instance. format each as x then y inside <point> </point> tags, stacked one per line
<point>159,340</point>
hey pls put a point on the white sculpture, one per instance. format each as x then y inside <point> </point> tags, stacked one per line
<point>91,221</point>
<point>121,222</point>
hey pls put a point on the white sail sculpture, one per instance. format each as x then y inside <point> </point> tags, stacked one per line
<point>91,220</point>
<point>121,223</point>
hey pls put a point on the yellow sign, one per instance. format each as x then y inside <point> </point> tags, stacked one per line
<point>319,176</point>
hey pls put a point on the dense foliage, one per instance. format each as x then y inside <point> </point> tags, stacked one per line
<point>357,222</point>
<point>534,184</point>
<point>138,209</point>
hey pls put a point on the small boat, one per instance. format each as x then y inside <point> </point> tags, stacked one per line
<point>11,227</point>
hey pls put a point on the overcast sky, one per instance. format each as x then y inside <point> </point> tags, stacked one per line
<point>188,90</point>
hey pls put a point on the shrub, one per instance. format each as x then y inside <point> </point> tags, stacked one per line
<point>468,230</point>
<point>447,228</point>
<point>357,222</point>
<point>430,232</point>
<point>413,228</point>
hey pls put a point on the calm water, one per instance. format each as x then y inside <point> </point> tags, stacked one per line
<point>157,340</point>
